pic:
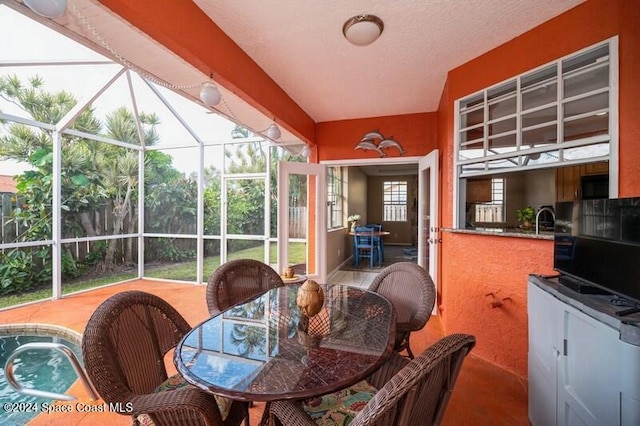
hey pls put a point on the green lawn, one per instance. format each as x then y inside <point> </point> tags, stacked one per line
<point>183,271</point>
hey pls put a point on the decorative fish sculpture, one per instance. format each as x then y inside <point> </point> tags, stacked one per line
<point>374,134</point>
<point>375,141</point>
<point>368,144</point>
<point>390,143</point>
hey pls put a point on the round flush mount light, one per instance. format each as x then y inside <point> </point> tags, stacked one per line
<point>362,30</point>
<point>47,8</point>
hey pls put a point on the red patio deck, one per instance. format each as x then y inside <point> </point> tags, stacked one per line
<point>484,394</point>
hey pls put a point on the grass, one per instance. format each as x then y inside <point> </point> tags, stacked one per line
<point>183,271</point>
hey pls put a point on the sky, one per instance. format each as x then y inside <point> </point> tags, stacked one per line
<point>23,40</point>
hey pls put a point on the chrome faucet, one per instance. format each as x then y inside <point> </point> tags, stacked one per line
<point>550,210</point>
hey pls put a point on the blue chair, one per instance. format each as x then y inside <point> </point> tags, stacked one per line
<point>377,227</point>
<point>365,246</point>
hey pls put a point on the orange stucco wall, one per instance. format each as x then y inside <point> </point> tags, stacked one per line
<point>472,265</point>
<point>417,133</point>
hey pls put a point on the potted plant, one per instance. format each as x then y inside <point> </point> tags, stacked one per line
<point>526,216</point>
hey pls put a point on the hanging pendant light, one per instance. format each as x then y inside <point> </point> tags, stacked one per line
<point>273,132</point>
<point>210,95</point>
<point>47,8</point>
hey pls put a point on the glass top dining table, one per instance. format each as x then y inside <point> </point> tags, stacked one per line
<point>264,349</point>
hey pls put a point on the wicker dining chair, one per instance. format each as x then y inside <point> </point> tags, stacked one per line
<point>237,280</point>
<point>400,393</point>
<point>124,345</point>
<point>412,292</point>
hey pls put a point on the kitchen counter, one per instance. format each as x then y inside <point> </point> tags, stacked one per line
<point>598,307</point>
<point>504,232</point>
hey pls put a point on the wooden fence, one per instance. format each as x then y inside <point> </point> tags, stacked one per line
<point>103,220</point>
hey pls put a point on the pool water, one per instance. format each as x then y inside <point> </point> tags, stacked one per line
<point>42,369</point>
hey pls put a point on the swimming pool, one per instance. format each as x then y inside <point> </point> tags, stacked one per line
<point>42,369</point>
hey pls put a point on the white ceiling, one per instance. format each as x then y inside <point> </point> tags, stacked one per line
<point>300,45</point>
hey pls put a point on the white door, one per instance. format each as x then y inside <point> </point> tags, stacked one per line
<point>428,230</point>
<point>315,203</point>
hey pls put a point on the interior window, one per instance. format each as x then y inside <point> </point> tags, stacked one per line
<point>394,201</point>
<point>335,199</point>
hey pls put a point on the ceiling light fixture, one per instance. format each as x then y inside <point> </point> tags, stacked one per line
<point>209,94</point>
<point>362,30</point>
<point>273,132</point>
<point>47,8</point>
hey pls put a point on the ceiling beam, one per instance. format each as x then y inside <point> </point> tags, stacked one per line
<point>183,28</point>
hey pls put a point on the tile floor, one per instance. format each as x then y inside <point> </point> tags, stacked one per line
<point>484,394</point>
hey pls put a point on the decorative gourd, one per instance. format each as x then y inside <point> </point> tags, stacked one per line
<point>310,298</point>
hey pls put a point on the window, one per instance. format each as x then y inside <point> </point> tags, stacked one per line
<point>561,114</point>
<point>492,211</point>
<point>335,199</point>
<point>394,201</point>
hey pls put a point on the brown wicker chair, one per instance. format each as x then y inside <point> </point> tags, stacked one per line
<point>411,393</point>
<point>300,268</point>
<point>124,345</point>
<point>237,280</point>
<point>412,292</point>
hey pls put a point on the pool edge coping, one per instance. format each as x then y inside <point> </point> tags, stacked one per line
<point>41,328</point>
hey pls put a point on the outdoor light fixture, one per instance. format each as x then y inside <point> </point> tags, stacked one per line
<point>362,30</point>
<point>47,8</point>
<point>273,132</point>
<point>210,95</point>
<point>305,151</point>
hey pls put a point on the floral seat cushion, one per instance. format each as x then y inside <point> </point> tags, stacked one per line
<point>340,408</point>
<point>176,382</point>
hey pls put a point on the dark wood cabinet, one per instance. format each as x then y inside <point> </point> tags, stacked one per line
<point>479,191</point>
<point>569,179</point>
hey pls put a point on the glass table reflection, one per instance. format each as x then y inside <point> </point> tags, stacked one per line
<point>264,349</point>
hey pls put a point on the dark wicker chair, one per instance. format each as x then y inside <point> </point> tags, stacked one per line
<point>124,345</point>
<point>237,280</point>
<point>411,393</point>
<point>412,292</point>
<point>300,268</point>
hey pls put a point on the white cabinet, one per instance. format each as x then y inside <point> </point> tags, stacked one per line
<point>580,372</point>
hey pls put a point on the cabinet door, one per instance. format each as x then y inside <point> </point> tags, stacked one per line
<point>544,319</point>
<point>589,389</point>
<point>595,168</point>
<point>629,376</point>
<point>479,191</point>
<point>568,183</point>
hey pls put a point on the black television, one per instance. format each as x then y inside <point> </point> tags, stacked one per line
<point>597,246</point>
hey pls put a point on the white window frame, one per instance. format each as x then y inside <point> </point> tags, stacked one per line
<point>337,185</point>
<point>459,194</point>
<point>394,204</point>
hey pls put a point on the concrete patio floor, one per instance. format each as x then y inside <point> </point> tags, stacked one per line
<point>484,394</point>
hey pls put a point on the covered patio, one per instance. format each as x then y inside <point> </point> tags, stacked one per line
<point>484,393</point>
<point>169,239</point>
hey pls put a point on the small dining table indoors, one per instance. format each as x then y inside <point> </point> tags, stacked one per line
<point>375,233</point>
<point>265,349</point>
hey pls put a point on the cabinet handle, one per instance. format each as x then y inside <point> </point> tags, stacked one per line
<point>564,344</point>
